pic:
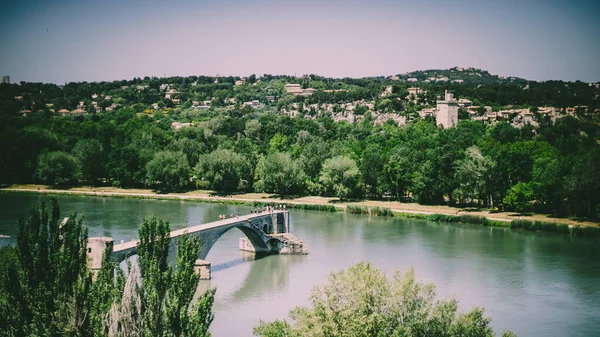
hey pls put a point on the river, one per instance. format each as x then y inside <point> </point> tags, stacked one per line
<point>535,284</point>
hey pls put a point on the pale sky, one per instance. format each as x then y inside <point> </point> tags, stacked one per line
<point>84,40</point>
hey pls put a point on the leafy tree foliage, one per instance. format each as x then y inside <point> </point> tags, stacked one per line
<point>57,168</point>
<point>170,168</point>
<point>166,293</point>
<point>223,170</point>
<point>339,174</point>
<point>45,281</point>
<point>46,288</point>
<point>91,156</point>
<point>362,301</point>
<point>279,173</point>
<point>474,174</point>
<point>519,197</point>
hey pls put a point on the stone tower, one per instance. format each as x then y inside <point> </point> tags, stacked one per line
<point>447,111</point>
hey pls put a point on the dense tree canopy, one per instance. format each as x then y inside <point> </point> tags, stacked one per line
<point>230,148</point>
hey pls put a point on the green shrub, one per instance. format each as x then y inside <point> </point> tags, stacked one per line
<point>585,230</point>
<point>546,226</point>
<point>521,224</point>
<point>357,209</point>
<point>555,227</point>
<point>381,211</point>
<point>441,218</point>
<point>377,211</point>
<point>472,219</point>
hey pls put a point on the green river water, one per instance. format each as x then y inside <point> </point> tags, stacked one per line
<point>535,284</point>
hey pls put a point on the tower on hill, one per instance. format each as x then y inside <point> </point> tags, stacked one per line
<point>447,111</point>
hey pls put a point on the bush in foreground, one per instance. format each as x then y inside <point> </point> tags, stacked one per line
<point>362,301</point>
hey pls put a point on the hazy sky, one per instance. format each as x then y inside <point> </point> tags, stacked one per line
<point>82,40</point>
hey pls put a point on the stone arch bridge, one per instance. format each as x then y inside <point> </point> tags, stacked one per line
<point>265,233</point>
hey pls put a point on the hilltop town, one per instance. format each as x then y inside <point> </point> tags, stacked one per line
<point>458,93</point>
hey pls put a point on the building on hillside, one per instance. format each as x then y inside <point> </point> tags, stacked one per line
<point>308,91</point>
<point>464,103</point>
<point>447,111</point>
<point>179,125</point>
<point>294,89</point>
<point>172,92</point>
<point>426,112</point>
<point>388,91</point>
<point>6,79</point>
<point>412,79</point>
<point>415,91</point>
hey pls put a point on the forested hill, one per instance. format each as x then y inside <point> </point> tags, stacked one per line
<point>466,75</point>
<point>237,135</point>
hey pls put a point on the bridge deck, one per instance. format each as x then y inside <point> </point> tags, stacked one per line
<point>197,228</point>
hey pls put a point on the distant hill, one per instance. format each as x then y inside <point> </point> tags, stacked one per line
<point>458,74</point>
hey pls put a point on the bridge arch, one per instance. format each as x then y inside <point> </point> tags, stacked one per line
<point>255,234</point>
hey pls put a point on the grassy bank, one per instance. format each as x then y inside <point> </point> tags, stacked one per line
<point>429,213</point>
<point>537,226</point>
<point>207,199</point>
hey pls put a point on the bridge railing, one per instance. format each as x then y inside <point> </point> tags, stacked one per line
<point>228,217</point>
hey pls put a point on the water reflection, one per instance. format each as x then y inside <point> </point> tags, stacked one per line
<point>270,275</point>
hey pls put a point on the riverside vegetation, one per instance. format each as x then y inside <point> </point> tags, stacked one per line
<point>46,289</point>
<point>362,301</point>
<point>551,168</point>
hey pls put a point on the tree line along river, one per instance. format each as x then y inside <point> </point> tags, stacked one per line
<point>535,284</point>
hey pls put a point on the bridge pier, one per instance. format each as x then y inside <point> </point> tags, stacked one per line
<point>202,268</point>
<point>283,244</point>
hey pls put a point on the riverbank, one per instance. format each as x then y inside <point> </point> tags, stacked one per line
<point>406,210</point>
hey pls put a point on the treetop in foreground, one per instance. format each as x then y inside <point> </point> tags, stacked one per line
<point>363,301</point>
